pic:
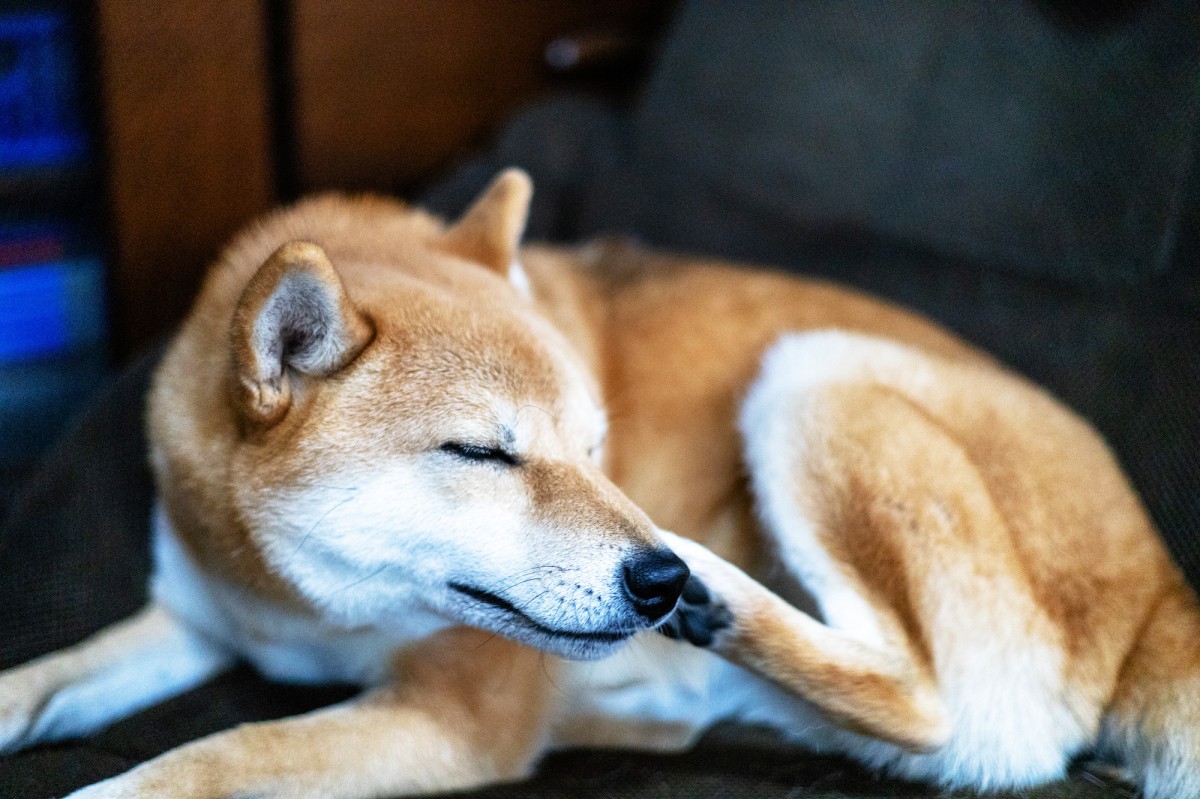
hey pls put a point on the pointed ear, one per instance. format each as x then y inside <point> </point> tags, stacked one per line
<point>490,231</point>
<point>293,320</point>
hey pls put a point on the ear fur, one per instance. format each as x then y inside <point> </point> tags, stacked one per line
<point>490,231</point>
<point>293,318</point>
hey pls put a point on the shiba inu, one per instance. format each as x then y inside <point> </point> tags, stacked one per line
<point>420,456</point>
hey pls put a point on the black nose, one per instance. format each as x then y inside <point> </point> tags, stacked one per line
<point>654,579</point>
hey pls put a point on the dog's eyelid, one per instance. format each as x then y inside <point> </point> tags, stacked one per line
<point>480,453</point>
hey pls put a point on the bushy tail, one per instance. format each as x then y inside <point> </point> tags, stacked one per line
<point>1153,722</point>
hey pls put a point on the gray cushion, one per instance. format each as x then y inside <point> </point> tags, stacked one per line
<point>986,130</point>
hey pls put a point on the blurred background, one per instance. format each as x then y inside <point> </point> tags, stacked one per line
<point>53,307</point>
<point>135,138</point>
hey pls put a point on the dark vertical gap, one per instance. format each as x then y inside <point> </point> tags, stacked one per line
<point>281,87</point>
<point>1183,275</point>
<point>90,67</point>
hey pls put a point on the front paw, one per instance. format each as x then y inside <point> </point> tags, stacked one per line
<point>699,616</point>
<point>150,781</point>
<point>22,696</point>
<point>115,788</point>
<point>15,722</point>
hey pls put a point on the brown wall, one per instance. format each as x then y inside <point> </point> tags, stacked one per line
<point>187,133</point>
<point>215,111</point>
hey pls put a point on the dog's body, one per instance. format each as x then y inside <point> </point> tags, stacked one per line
<point>362,446</point>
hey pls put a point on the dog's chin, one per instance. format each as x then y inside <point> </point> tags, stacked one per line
<point>496,614</point>
<point>578,650</point>
<point>571,647</point>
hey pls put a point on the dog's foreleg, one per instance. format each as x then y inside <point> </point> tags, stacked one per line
<point>864,687</point>
<point>466,709</point>
<point>375,745</point>
<point>120,670</point>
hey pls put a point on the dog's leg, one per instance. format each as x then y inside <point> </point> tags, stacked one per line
<point>467,709</point>
<point>876,690</point>
<point>860,667</point>
<point>932,631</point>
<point>120,670</point>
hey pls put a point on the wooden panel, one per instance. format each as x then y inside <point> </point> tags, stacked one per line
<point>387,91</point>
<point>185,96</point>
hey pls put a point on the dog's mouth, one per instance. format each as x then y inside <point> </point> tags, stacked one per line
<point>500,603</point>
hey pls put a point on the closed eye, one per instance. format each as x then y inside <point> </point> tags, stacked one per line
<point>480,454</point>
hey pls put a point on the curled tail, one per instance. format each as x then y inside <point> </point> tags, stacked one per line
<point>1153,722</point>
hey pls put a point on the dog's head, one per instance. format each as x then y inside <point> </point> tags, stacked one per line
<point>413,434</point>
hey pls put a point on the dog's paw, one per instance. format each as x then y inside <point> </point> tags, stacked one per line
<point>699,617</point>
<point>14,724</point>
<point>115,788</point>
<point>21,698</point>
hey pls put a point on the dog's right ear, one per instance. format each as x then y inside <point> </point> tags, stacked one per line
<point>489,233</point>
<point>293,320</point>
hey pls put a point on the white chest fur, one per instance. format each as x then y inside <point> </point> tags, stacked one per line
<point>282,644</point>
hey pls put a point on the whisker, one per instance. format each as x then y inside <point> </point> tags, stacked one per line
<point>317,523</point>
<point>543,410</point>
<point>549,677</point>
<point>489,639</point>
<point>362,580</point>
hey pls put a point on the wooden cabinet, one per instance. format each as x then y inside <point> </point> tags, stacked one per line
<point>187,132</point>
<point>213,112</point>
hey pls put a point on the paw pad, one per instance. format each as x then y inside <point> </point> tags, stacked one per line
<point>698,617</point>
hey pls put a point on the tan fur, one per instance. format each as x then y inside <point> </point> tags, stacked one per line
<point>490,231</point>
<point>435,730</point>
<point>938,483</point>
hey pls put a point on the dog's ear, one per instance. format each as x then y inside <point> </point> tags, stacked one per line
<point>293,320</point>
<point>490,231</point>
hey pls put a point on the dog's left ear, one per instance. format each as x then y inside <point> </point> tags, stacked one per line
<point>490,231</point>
<point>294,323</point>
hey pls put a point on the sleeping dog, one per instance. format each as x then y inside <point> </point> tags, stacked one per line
<point>419,456</point>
